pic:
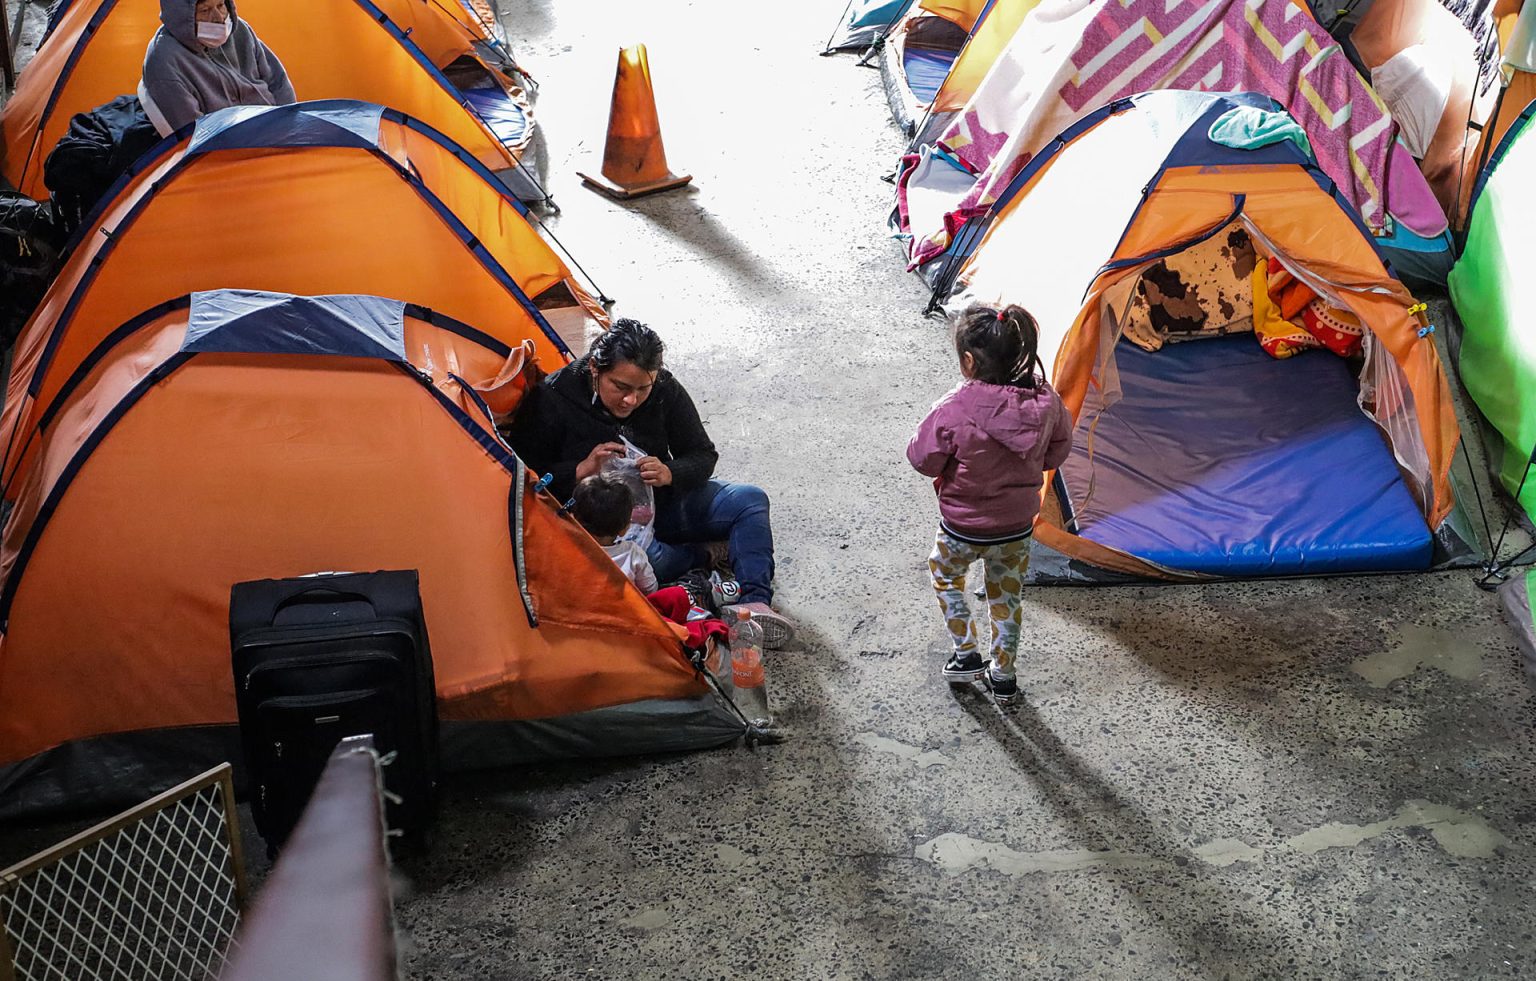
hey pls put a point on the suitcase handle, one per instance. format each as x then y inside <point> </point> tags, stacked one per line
<point>318,596</point>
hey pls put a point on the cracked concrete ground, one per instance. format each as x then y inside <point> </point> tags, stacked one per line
<point>1323,778</point>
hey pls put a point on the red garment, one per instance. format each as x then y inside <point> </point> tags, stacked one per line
<point>1337,330</point>
<point>674,604</point>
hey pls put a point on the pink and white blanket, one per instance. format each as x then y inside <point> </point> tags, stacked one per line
<point>1073,56</point>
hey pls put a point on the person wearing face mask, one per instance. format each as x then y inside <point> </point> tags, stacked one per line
<point>575,421</point>
<point>205,58</point>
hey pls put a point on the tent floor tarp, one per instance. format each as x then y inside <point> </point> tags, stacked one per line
<point>1244,466</point>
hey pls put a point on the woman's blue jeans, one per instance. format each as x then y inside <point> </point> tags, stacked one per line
<point>735,513</point>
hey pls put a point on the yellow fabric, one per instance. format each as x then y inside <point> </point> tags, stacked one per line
<point>976,58</point>
<point>1278,336</point>
<point>369,65</point>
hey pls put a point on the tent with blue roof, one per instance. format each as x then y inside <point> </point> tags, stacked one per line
<point>236,435</point>
<point>1030,70</point>
<point>1161,242</point>
<point>322,197</point>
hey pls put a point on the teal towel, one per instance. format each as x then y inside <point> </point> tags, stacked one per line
<point>1248,128</point>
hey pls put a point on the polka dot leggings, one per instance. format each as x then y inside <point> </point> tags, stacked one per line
<point>1005,566</point>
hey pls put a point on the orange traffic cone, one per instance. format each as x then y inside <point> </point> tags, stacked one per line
<point>634,161</point>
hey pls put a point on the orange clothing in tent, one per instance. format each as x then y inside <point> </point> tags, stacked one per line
<point>310,198</point>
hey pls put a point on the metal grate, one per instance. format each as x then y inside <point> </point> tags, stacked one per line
<point>155,893</point>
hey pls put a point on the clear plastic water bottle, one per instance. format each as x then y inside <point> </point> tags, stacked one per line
<point>747,671</point>
<point>718,663</point>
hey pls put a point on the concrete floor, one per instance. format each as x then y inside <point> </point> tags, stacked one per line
<point>1324,778</point>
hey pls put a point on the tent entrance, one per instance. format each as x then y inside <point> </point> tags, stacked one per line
<point>1210,456</point>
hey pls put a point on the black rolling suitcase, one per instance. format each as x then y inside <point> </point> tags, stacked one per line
<point>326,656</point>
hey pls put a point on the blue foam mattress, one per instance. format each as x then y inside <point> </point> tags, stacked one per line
<point>1221,460</point>
<point>504,117</point>
<point>926,69</point>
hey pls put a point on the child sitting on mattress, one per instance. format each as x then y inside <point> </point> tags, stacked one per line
<point>987,445</point>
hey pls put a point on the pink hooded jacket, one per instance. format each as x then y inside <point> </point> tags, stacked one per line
<point>988,447</point>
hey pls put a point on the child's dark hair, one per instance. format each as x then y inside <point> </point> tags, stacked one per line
<point>1004,344</point>
<point>627,340</point>
<point>603,503</point>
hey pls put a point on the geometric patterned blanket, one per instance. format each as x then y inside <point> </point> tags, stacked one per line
<point>1073,56</point>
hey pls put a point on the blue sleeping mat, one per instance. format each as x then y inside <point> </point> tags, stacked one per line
<point>926,69</point>
<point>1221,460</point>
<point>497,110</point>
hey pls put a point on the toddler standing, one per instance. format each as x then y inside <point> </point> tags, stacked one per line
<point>988,444</point>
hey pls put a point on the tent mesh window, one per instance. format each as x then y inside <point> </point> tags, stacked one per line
<point>155,892</point>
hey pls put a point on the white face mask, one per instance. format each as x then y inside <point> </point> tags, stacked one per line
<point>214,33</point>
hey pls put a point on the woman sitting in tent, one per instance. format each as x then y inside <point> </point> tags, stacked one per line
<point>205,58</point>
<point>579,419</point>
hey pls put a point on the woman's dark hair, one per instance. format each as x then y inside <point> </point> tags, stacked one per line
<point>1004,344</point>
<point>627,340</point>
<point>603,503</point>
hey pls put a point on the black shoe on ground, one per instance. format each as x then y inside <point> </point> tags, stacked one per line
<point>958,670</point>
<point>1005,691</point>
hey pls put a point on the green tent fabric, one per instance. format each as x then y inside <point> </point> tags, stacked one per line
<point>1489,287</point>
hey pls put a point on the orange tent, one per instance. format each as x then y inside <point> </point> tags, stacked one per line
<point>390,52</point>
<point>1517,34</point>
<point>962,13</point>
<point>1251,478</point>
<point>991,36</point>
<point>310,198</point>
<point>235,435</point>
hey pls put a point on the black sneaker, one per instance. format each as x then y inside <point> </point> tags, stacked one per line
<point>1005,691</point>
<point>959,670</point>
<point>700,591</point>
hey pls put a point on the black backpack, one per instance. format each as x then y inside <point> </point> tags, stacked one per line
<point>30,244</point>
<point>99,147</point>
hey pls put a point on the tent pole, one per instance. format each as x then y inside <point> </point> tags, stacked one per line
<point>7,62</point>
<point>1486,150</point>
<point>21,18</point>
<point>602,297</point>
<point>1495,568</point>
<point>879,41</point>
<point>833,36</point>
<point>1477,491</point>
<point>1459,221</point>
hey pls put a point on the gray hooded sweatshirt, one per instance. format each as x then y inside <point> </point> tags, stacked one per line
<point>186,80</point>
